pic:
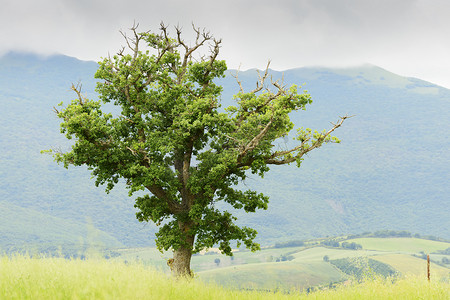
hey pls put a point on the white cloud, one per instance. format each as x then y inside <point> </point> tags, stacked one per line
<point>410,37</point>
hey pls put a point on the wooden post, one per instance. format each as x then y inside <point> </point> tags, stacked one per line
<point>428,267</point>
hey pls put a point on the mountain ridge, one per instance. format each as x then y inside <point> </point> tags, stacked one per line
<point>392,159</point>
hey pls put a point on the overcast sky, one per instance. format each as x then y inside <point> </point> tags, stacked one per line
<point>407,37</point>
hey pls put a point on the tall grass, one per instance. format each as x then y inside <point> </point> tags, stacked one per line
<point>382,288</point>
<point>55,278</point>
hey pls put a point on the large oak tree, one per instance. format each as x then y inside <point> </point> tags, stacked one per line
<point>171,141</point>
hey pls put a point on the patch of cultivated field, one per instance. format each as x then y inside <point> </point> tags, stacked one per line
<point>406,245</point>
<point>317,253</point>
<point>410,265</point>
<point>282,275</point>
<point>207,262</point>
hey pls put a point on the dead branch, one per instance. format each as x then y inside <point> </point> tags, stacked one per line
<point>77,89</point>
<point>237,79</point>
<point>260,83</point>
<point>206,36</point>
<point>214,51</point>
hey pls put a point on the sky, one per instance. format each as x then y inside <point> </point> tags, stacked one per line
<point>407,37</point>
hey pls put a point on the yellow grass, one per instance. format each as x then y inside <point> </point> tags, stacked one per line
<point>53,278</point>
<point>406,288</point>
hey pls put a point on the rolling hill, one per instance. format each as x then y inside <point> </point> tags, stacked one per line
<point>311,265</point>
<point>390,171</point>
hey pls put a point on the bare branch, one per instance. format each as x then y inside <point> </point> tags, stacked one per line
<point>237,79</point>
<point>77,89</point>
<point>337,125</point>
<point>281,88</point>
<point>215,51</point>
<point>163,28</point>
<point>197,31</point>
<point>189,51</point>
<point>260,83</point>
<point>136,41</point>
<point>121,51</point>
<point>180,40</point>
<point>127,40</point>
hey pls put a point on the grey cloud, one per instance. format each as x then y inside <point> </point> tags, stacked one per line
<point>410,37</point>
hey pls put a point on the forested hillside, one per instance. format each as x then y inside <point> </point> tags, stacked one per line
<point>390,171</point>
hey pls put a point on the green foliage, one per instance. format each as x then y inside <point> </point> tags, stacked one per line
<point>171,141</point>
<point>290,244</point>
<point>391,233</point>
<point>446,251</point>
<point>336,244</point>
<point>330,243</point>
<point>284,258</point>
<point>352,245</point>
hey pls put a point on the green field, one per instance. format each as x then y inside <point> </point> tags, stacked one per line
<point>317,253</point>
<point>407,264</point>
<point>305,266</point>
<point>274,276</point>
<point>55,278</point>
<point>406,245</point>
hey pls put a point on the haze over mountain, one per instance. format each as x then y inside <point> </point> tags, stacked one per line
<point>390,171</point>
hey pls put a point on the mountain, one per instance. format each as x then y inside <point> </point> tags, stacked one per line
<point>390,171</point>
<point>29,87</point>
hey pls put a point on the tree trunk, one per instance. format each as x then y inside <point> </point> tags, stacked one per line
<point>181,263</point>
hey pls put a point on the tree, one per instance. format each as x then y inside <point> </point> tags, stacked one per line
<point>217,261</point>
<point>172,142</point>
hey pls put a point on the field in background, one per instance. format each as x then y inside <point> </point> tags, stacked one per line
<point>307,266</point>
<point>407,245</point>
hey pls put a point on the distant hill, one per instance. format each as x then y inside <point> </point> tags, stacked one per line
<point>390,171</point>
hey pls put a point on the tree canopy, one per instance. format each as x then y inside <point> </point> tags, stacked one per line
<point>172,143</point>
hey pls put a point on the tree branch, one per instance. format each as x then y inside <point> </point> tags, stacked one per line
<point>303,150</point>
<point>260,83</point>
<point>77,89</point>
<point>237,79</point>
<point>174,207</point>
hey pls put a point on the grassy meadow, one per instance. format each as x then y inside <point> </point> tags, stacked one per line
<point>55,278</point>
